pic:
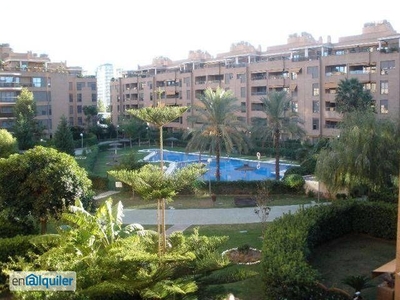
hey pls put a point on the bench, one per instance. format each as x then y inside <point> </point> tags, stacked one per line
<point>245,201</point>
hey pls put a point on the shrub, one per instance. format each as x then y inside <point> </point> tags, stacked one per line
<point>295,182</point>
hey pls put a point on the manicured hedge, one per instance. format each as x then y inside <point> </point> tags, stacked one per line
<point>291,239</point>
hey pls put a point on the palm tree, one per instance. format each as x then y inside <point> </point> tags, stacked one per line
<point>220,127</point>
<point>351,96</point>
<point>280,121</point>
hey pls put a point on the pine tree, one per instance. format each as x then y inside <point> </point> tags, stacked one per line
<point>63,139</point>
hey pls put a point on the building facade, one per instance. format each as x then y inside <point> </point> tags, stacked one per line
<point>308,70</point>
<point>57,89</point>
<point>104,74</point>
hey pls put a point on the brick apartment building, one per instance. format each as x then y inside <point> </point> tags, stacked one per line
<point>57,89</point>
<point>308,69</point>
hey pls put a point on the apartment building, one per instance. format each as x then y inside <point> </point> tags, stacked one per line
<point>104,74</point>
<point>57,89</point>
<point>308,69</point>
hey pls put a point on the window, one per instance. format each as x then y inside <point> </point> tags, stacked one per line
<point>71,110</point>
<point>71,98</point>
<point>228,77</point>
<point>92,86</point>
<point>313,71</point>
<point>243,92</point>
<point>41,96</point>
<point>37,82</point>
<point>186,81</point>
<point>79,109</point>
<point>94,97</point>
<point>315,124</point>
<point>8,97</point>
<point>257,107</point>
<point>386,66</point>
<point>71,121</point>
<point>335,70</point>
<point>242,77</point>
<point>384,87</point>
<point>384,107</point>
<point>80,85</point>
<point>315,106</point>
<point>188,94</point>
<point>370,86</point>
<point>243,107</point>
<point>79,97</point>
<point>315,89</point>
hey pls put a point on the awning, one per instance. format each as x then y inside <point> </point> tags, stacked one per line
<point>259,71</point>
<point>331,85</point>
<point>275,86</point>
<point>389,267</point>
<point>275,70</point>
<point>170,93</point>
<point>293,86</point>
<point>295,70</point>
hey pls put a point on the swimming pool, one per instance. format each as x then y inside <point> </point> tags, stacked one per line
<point>260,170</point>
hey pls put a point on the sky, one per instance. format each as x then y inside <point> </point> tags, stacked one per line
<point>128,33</point>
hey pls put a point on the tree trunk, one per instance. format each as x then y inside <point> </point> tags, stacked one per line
<point>218,159</point>
<point>43,225</point>
<point>277,154</point>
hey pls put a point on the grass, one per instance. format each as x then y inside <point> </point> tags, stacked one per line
<point>202,201</point>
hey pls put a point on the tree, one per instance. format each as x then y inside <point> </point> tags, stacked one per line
<point>8,143</point>
<point>63,139</point>
<point>351,96</point>
<point>365,154</point>
<point>100,106</point>
<point>26,129</point>
<point>280,122</point>
<point>220,127</point>
<point>90,112</point>
<point>42,182</point>
<point>134,129</point>
<point>159,116</point>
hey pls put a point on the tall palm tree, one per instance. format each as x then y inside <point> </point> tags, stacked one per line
<point>219,128</point>
<point>280,121</point>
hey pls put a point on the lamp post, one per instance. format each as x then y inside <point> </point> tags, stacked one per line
<point>209,160</point>
<point>81,140</point>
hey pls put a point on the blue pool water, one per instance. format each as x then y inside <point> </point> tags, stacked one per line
<point>261,170</point>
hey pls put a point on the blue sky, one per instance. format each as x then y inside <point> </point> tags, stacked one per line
<point>128,33</point>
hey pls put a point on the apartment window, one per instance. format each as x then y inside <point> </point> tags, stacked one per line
<point>293,75</point>
<point>186,81</point>
<point>313,71</point>
<point>315,106</point>
<point>92,86</point>
<point>384,106</point>
<point>188,94</point>
<point>315,89</point>
<point>386,66</point>
<point>257,107</point>
<point>228,77</point>
<point>79,109</point>
<point>384,87</point>
<point>37,82</point>
<point>71,121</point>
<point>79,97</point>
<point>94,97</point>
<point>80,122</point>
<point>41,96</point>
<point>243,107</point>
<point>8,97</point>
<point>370,86</point>
<point>71,98</point>
<point>80,85</point>
<point>315,124</point>
<point>243,92</point>
<point>335,70</point>
<point>71,110</point>
<point>241,77</point>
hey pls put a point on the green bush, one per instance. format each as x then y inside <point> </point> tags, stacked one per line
<point>295,182</point>
<point>11,226</point>
<point>291,239</point>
